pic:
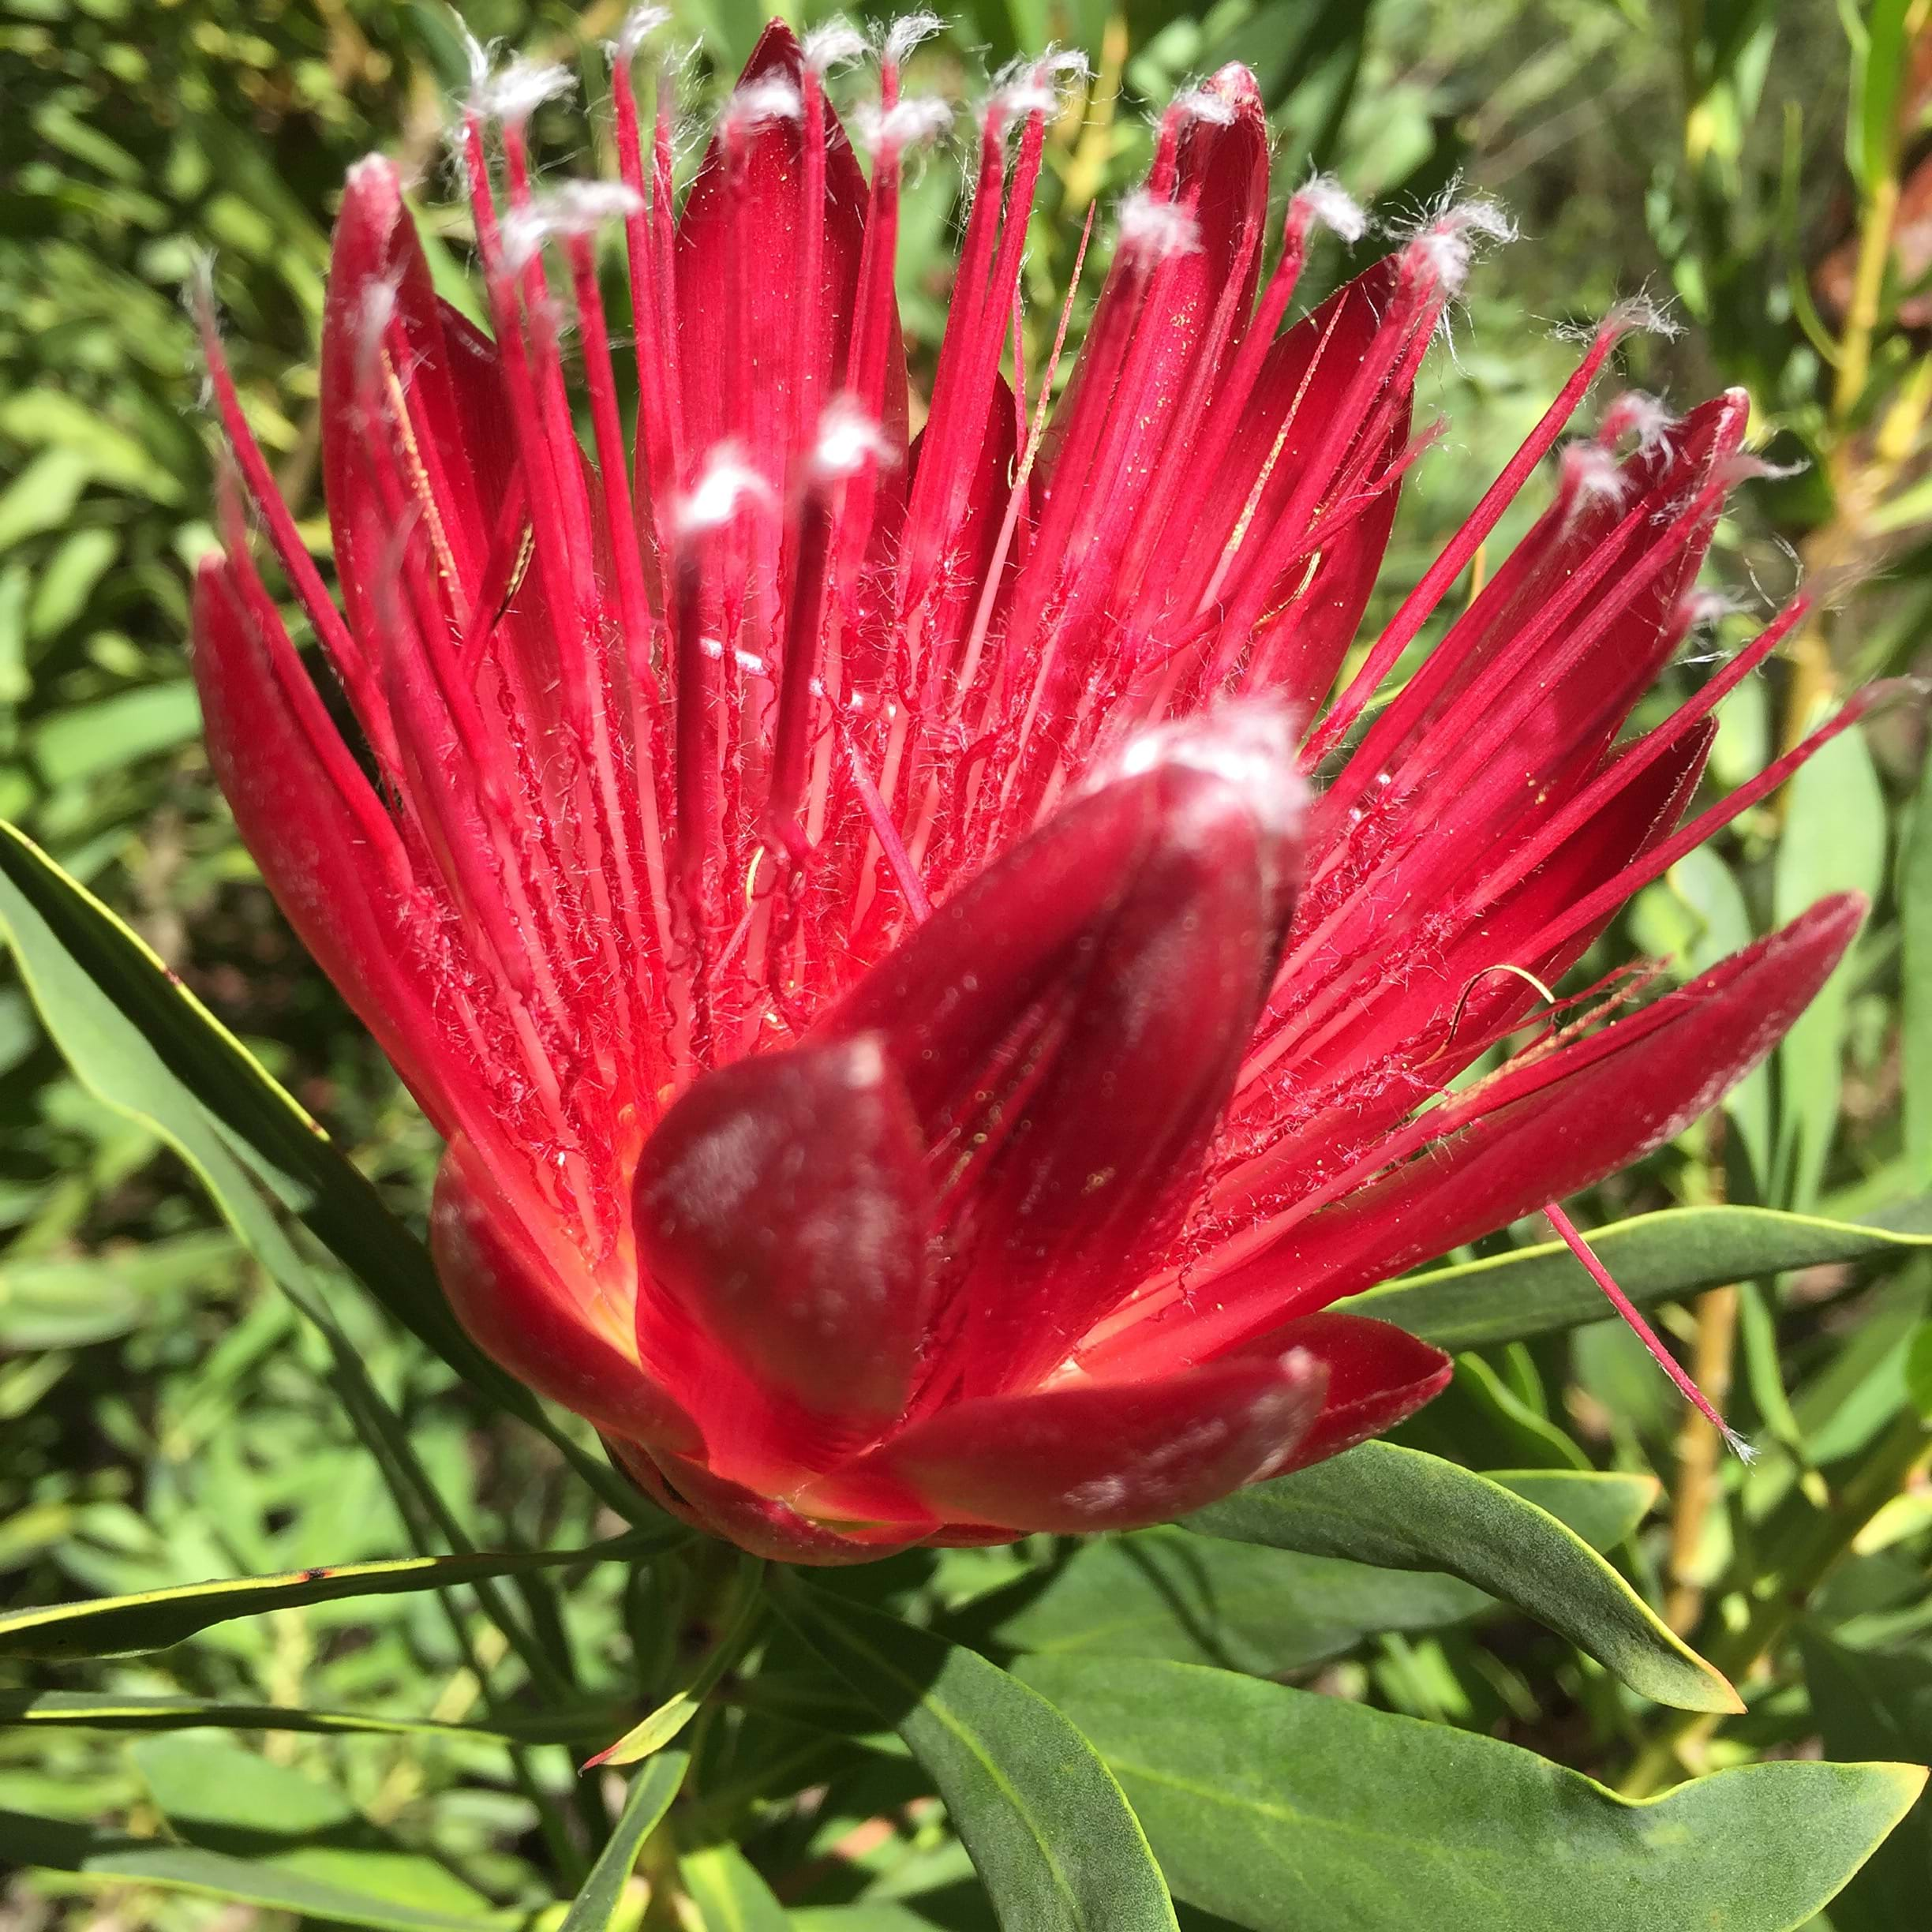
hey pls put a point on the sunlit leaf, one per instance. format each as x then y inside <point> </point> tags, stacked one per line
<point>1052,1838</point>
<point>1283,1811</point>
<point>153,1619</point>
<point>1655,1257</point>
<point>1401,1510</point>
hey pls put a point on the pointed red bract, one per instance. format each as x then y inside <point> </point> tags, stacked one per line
<point>925,1013</point>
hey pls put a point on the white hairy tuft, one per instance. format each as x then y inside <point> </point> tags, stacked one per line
<point>1023,87</point>
<point>834,43</point>
<point>758,102</point>
<point>1198,103</point>
<point>908,32</point>
<point>725,484</point>
<point>1635,414</point>
<point>1326,200</point>
<point>909,123</point>
<point>578,208</point>
<point>1446,244</point>
<point>637,27</point>
<point>1157,229</point>
<point>1591,474</point>
<point>849,438</point>
<point>515,91</point>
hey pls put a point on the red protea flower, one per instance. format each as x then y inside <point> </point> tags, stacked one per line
<point>921,1035</point>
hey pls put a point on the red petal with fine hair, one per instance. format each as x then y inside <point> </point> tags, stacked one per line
<point>914,1072</point>
<point>1544,1128</point>
<point>522,1309</point>
<point>1077,1458</point>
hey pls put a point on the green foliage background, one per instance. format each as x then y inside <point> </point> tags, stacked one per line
<point>168,1414</point>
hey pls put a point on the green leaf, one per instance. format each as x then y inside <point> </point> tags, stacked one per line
<point>729,1894</point>
<point>1169,1593</point>
<point>1401,1510</point>
<point>645,1805</point>
<point>107,1711</point>
<point>1834,840</point>
<point>111,733</point>
<point>113,1858</point>
<point>1603,1506</point>
<point>1191,1599</point>
<point>677,1711</point>
<point>1877,1701</point>
<point>140,1041</point>
<point>1655,1257</point>
<point>1054,1843</point>
<point>1286,1811</point>
<point>153,1619</point>
<point>1915,977</point>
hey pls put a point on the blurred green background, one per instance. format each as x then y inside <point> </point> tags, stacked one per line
<point>165,1416</point>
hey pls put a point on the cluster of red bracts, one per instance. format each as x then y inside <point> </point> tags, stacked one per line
<point>923,1034</point>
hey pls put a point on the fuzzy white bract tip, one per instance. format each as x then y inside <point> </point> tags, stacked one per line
<point>576,208</point>
<point>849,438</point>
<point>1198,103</point>
<point>1324,200</point>
<point>1708,607</point>
<point>1745,467</point>
<point>725,484</point>
<point>1157,229</point>
<point>1250,744</point>
<point>516,90</point>
<point>1638,312</point>
<point>1635,414</point>
<point>1023,87</point>
<point>758,103</point>
<point>833,43</point>
<point>638,25</point>
<point>908,32</point>
<point>1591,474</point>
<point>909,123</point>
<point>1446,243</point>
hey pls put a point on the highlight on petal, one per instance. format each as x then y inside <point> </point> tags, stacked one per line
<point>1077,1458</point>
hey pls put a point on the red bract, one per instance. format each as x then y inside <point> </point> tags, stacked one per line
<point>915,1067</point>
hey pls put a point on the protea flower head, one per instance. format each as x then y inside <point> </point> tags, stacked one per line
<point>929,996</point>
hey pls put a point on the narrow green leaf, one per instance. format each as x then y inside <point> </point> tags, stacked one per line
<point>1282,1810</point>
<point>1603,1506</point>
<point>1401,1510</point>
<point>729,1894</point>
<point>1655,1257</point>
<point>1834,840</point>
<point>112,1858</point>
<point>153,1619</point>
<point>105,1710</point>
<point>677,1710</point>
<point>141,1042</point>
<point>1867,1701</point>
<point>1052,1838</point>
<point>649,1799</point>
<point>1914,896</point>
<point>1169,1593</point>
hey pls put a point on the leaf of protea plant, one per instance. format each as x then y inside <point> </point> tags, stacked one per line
<point>153,1619</point>
<point>1655,1257</point>
<point>595,1907</point>
<point>1054,1842</point>
<point>1282,1810</point>
<point>1401,1510</point>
